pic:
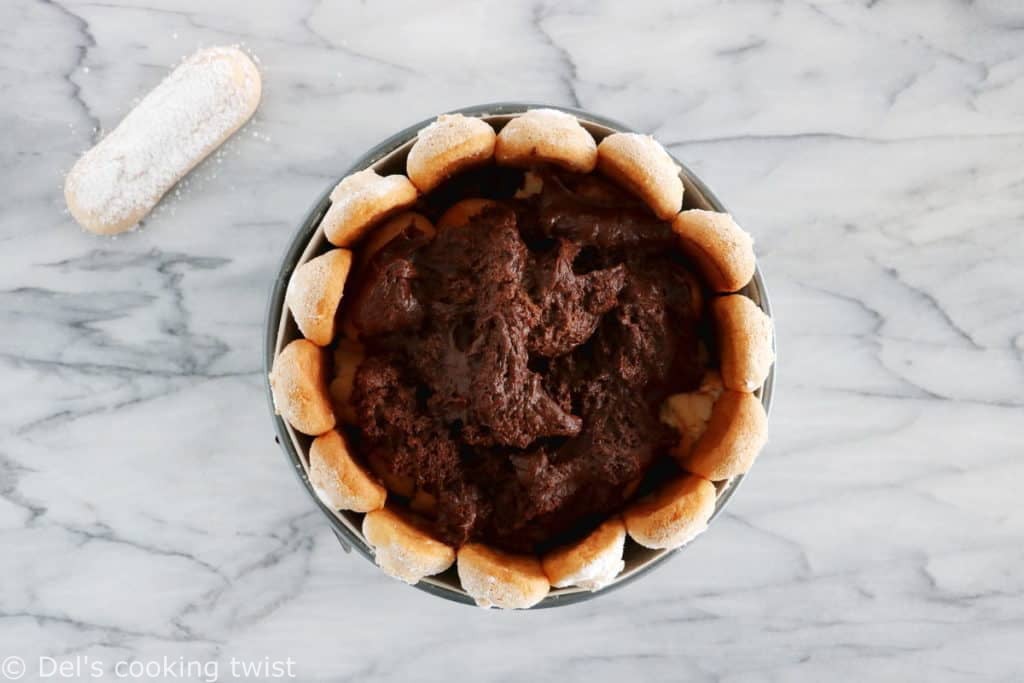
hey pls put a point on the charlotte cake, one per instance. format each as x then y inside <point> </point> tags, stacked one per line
<point>534,381</point>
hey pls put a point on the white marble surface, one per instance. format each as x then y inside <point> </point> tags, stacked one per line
<point>874,149</point>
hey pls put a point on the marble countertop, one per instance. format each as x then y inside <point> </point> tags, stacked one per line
<point>875,151</point>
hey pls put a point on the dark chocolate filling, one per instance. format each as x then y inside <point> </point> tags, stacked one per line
<point>515,366</point>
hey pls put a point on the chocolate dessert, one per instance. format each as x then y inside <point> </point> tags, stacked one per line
<point>515,365</point>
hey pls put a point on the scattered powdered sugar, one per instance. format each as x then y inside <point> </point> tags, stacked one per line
<point>203,101</point>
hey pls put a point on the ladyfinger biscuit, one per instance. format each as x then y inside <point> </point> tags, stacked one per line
<point>401,484</point>
<point>591,563</point>
<point>461,213</point>
<point>494,578</point>
<point>736,433</point>
<point>673,515</point>
<point>533,183</point>
<point>723,251</point>
<point>641,165</point>
<point>690,413</point>
<point>314,292</point>
<point>402,549</point>
<point>339,481</point>
<point>392,228</point>
<point>744,335</point>
<point>362,199</point>
<point>448,145</point>
<point>299,388</point>
<point>546,135</point>
<point>188,115</point>
<point>348,354</point>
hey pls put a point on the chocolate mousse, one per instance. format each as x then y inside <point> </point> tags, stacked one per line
<point>515,365</point>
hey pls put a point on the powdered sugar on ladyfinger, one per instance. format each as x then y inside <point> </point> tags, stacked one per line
<point>188,115</point>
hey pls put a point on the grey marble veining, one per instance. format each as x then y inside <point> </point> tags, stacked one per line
<point>875,151</point>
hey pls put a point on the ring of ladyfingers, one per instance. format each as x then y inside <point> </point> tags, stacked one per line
<point>721,428</point>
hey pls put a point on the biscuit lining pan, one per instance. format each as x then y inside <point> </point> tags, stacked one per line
<point>309,241</point>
